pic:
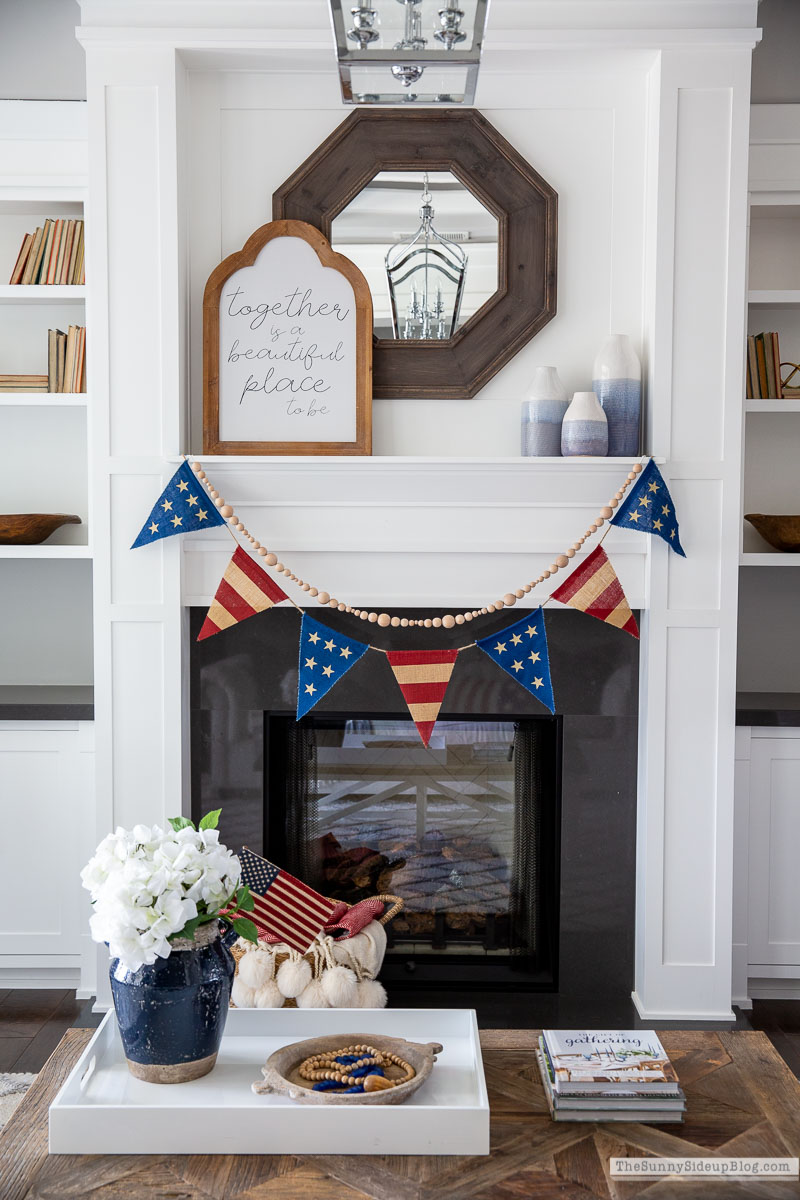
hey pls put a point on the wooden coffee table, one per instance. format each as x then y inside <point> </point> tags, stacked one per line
<point>742,1100</point>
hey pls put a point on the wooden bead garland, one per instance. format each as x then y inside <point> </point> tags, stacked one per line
<point>448,621</point>
<point>327,1069</point>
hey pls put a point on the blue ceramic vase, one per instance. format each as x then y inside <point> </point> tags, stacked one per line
<point>584,430</point>
<point>171,1015</point>
<point>542,414</point>
<point>617,382</point>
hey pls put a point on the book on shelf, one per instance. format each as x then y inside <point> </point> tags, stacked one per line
<point>23,383</point>
<point>66,359</point>
<point>52,254</point>
<point>617,1103</point>
<point>764,367</point>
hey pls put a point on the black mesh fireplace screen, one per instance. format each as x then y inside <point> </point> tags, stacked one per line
<point>465,831</point>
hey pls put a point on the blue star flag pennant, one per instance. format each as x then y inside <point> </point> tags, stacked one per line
<point>183,506</point>
<point>521,650</point>
<point>648,506</point>
<point>325,656</point>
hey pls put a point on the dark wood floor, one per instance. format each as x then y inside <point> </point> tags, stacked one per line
<point>33,1022</point>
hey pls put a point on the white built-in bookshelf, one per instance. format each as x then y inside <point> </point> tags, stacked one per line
<point>44,435</point>
<point>769,647</point>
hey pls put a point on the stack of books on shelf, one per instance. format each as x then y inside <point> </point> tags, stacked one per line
<point>52,254</point>
<point>66,360</point>
<point>764,368</point>
<point>23,383</point>
<point>609,1075</point>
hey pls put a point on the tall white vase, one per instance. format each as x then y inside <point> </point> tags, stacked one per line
<point>584,430</point>
<point>617,382</point>
<point>542,414</point>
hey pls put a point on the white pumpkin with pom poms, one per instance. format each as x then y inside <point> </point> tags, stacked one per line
<point>293,977</point>
<point>340,987</point>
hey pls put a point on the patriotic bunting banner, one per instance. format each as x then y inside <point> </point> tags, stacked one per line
<point>325,656</point>
<point>423,676</point>
<point>521,650</point>
<point>183,506</point>
<point>243,591</point>
<point>593,588</point>
<point>649,507</point>
<point>284,907</point>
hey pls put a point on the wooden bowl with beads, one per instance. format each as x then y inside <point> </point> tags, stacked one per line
<point>282,1076</point>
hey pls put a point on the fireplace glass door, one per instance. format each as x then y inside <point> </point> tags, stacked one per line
<point>465,831</point>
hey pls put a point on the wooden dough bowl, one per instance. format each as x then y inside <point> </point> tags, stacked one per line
<point>281,1075</point>
<point>781,531</point>
<point>29,529</point>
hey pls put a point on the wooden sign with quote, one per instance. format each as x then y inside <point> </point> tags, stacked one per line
<point>287,348</point>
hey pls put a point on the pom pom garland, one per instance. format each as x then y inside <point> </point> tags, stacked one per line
<point>293,977</point>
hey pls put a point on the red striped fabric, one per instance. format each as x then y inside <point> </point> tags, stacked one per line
<point>423,676</point>
<point>593,588</point>
<point>244,590</point>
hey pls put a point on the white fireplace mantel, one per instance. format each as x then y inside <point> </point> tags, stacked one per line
<point>637,112</point>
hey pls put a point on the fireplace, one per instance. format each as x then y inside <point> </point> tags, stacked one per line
<point>464,830</point>
<point>491,835</point>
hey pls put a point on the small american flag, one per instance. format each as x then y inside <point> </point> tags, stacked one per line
<point>283,905</point>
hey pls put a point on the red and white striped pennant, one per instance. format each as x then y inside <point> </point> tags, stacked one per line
<point>244,590</point>
<point>423,676</point>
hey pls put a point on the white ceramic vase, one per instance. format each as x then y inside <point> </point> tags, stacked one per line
<point>584,430</point>
<point>542,414</point>
<point>617,382</point>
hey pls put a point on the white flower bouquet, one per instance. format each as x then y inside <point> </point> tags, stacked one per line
<point>149,887</point>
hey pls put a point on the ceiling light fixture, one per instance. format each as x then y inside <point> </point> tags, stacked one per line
<point>409,51</point>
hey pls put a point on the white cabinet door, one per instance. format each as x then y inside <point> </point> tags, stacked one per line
<point>774,884</point>
<point>46,824</point>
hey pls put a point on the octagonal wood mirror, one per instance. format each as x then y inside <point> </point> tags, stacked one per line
<point>454,304</point>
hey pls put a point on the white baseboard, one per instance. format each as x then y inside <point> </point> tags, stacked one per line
<point>743,1002</point>
<point>686,1015</point>
<point>39,978</point>
<point>773,989</point>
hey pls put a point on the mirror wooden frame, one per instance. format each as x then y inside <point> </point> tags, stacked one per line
<point>526,208</point>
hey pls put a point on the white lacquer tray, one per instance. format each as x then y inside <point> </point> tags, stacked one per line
<point>102,1109</point>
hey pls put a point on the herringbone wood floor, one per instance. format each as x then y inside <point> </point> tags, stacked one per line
<point>742,1100</point>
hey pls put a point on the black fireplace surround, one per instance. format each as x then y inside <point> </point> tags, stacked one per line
<point>579,950</point>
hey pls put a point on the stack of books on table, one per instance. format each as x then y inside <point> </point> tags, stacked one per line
<point>609,1075</point>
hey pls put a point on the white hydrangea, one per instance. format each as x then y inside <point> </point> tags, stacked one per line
<point>147,883</point>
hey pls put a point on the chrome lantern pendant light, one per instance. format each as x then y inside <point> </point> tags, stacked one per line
<point>401,51</point>
<point>426,280</point>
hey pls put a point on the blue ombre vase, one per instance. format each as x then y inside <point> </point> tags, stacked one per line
<point>542,414</point>
<point>171,1015</point>
<point>584,430</point>
<point>617,382</point>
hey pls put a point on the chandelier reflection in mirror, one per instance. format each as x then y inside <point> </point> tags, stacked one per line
<point>426,280</point>
<point>406,51</point>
